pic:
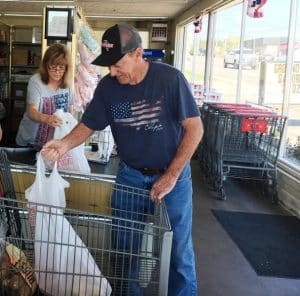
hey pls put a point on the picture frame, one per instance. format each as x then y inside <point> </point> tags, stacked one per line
<point>58,23</point>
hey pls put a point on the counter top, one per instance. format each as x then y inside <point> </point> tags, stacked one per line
<point>27,157</point>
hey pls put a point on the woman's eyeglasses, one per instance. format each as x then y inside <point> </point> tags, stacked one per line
<point>55,68</point>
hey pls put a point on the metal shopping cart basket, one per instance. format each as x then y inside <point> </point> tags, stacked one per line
<point>140,261</point>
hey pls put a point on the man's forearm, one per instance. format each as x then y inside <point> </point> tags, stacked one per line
<point>77,136</point>
<point>192,136</point>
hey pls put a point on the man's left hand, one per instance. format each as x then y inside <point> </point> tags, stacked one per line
<point>162,187</point>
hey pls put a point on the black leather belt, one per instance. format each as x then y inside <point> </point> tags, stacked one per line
<point>150,171</point>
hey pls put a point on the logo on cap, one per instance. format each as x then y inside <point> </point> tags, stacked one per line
<point>105,44</point>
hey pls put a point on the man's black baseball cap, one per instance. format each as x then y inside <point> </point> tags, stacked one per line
<point>116,42</point>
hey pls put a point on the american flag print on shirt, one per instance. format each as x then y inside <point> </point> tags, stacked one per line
<point>136,114</point>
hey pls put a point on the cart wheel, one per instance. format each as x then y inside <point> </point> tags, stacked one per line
<point>222,195</point>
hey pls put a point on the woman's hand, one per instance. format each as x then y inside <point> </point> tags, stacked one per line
<point>35,115</point>
<point>54,120</point>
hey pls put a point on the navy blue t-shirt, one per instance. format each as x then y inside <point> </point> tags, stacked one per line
<point>145,118</point>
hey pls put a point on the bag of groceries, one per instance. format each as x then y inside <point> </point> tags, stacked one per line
<point>75,159</point>
<point>63,264</point>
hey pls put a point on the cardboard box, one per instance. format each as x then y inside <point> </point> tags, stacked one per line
<point>23,35</point>
<point>20,56</point>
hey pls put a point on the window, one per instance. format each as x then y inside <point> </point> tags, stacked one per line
<point>195,52</point>
<point>292,147</point>
<point>226,52</point>
<point>267,39</point>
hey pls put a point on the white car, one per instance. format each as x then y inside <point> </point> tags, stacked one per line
<point>232,57</point>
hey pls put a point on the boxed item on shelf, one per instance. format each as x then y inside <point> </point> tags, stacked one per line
<point>19,90</point>
<point>20,77</point>
<point>23,35</point>
<point>19,56</point>
<point>36,60</point>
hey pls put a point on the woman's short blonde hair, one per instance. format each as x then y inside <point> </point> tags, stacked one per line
<point>56,54</point>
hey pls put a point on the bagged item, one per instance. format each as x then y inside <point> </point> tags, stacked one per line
<point>63,264</point>
<point>106,144</point>
<point>16,275</point>
<point>75,159</point>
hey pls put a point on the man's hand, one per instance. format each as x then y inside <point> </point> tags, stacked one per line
<point>162,187</point>
<point>53,150</point>
<point>193,131</point>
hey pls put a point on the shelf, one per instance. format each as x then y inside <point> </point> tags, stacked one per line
<point>20,82</point>
<point>25,66</point>
<point>26,44</point>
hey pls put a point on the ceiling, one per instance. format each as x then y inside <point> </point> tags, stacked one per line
<point>109,9</point>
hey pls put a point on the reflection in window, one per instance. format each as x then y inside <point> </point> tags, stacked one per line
<point>226,52</point>
<point>292,153</point>
<point>198,58</point>
<point>267,39</point>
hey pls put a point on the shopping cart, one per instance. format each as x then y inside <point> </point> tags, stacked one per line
<point>142,260</point>
<point>241,142</point>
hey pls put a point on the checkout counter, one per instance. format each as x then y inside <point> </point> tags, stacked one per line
<point>87,192</point>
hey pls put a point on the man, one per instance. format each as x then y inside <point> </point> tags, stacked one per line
<point>157,127</point>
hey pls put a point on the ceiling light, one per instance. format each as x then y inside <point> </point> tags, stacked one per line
<point>125,17</point>
<point>40,1</point>
<point>21,14</point>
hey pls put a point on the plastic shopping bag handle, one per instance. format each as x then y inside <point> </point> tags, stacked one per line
<point>42,180</point>
<point>41,169</point>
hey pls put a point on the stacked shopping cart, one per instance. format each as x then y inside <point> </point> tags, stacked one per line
<point>240,141</point>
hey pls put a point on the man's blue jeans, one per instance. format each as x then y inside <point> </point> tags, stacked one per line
<point>182,278</point>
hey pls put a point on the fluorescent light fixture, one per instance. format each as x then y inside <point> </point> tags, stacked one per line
<point>21,14</point>
<point>39,1</point>
<point>125,17</point>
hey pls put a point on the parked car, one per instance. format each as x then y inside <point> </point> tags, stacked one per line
<point>232,57</point>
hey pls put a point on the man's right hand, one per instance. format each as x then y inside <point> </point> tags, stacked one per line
<point>53,150</point>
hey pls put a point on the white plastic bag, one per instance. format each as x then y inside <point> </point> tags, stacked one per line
<point>75,159</point>
<point>63,264</point>
<point>106,144</point>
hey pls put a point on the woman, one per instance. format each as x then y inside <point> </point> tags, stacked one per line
<point>47,91</point>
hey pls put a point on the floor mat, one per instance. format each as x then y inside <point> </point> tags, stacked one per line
<point>271,243</point>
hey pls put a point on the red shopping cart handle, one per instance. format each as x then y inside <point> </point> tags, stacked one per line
<point>254,114</point>
<point>229,104</point>
<point>250,108</point>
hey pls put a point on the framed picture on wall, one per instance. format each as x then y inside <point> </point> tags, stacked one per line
<point>58,23</point>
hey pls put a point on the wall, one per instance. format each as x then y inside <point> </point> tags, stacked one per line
<point>22,21</point>
<point>288,184</point>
